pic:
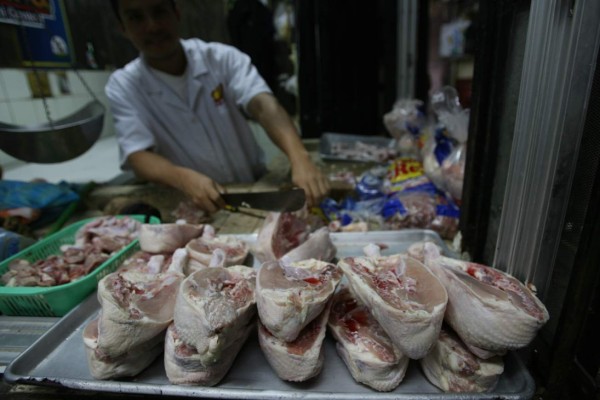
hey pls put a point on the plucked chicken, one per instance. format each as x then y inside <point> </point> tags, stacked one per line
<point>184,365</point>
<point>280,233</point>
<point>453,368</point>
<point>365,348</point>
<point>137,304</point>
<point>301,359</point>
<point>290,296</point>
<point>213,306</point>
<point>405,298</point>
<point>166,238</point>
<point>201,249</point>
<point>130,363</point>
<point>491,311</point>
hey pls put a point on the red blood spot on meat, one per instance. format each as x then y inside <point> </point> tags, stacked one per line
<point>305,340</point>
<point>313,280</point>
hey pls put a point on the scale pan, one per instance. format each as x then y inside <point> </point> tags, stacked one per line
<point>65,139</point>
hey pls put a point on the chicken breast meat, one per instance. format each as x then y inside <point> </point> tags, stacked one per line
<point>318,246</point>
<point>166,238</point>
<point>137,304</point>
<point>301,359</point>
<point>405,298</point>
<point>491,311</point>
<point>201,250</point>
<point>290,296</point>
<point>213,306</point>
<point>453,368</point>
<point>365,348</point>
<point>131,363</point>
<point>185,366</point>
<point>279,234</point>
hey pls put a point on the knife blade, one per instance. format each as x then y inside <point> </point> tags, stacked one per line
<point>282,201</point>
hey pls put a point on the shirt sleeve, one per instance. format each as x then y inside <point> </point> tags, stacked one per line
<point>130,129</point>
<point>243,79</point>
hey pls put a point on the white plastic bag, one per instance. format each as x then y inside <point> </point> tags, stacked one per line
<point>446,105</point>
<point>404,123</point>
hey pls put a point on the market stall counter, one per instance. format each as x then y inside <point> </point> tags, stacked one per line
<point>48,359</point>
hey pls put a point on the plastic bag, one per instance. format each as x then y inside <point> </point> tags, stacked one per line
<point>11,243</point>
<point>423,209</point>
<point>436,150</point>
<point>405,173</point>
<point>446,105</point>
<point>36,195</point>
<point>453,171</point>
<point>404,123</point>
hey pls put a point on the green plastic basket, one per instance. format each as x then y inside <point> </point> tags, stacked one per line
<point>56,301</point>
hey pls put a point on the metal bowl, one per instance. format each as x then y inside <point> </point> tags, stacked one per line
<point>63,140</point>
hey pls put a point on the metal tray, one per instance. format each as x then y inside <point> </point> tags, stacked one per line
<point>58,357</point>
<point>18,333</point>
<point>329,139</point>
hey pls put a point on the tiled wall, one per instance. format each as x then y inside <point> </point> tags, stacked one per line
<point>18,107</point>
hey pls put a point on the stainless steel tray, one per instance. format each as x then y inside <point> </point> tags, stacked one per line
<point>58,357</point>
<point>18,333</point>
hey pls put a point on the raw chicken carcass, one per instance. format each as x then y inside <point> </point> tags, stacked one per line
<point>301,359</point>
<point>416,250</point>
<point>289,296</point>
<point>213,306</point>
<point>137,304</point>
<point>201,249</point>
<point>280,233</point>
<point>489,309</point>
<point>166,238</point>
<point>318,246</point>
<point>109,230</point>
<point>453,368</point>
<point>362,344</point>
<point>405,298</point>
<point>133,362</point>
<point>184,366</point>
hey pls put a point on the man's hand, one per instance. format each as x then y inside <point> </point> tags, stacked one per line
<point>203,191</point>
<point>265,109</point>
<point>307,176</point>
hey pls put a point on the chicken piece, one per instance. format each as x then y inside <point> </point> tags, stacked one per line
<point>405,298</point>
<point>416,250</point>
<point>280,233</point>
<point>318,246</point>
<point>201,250</point>
<point>115,232</point>
<point>184,366</point>
<point>128,364</point>
<point>301,359</point>
<point>137,305</point>
<point>365,348</point>
<point>453,368</point>
<point>213,306</point>
<point>488,309</point>
<point>289,296</point>
<point>166,238</point>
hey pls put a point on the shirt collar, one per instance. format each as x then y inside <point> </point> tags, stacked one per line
<point>196,67</point>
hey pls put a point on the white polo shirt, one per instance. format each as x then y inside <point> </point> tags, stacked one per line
<point>208,132</point>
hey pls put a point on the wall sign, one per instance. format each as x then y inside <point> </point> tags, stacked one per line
<point>43,31</point>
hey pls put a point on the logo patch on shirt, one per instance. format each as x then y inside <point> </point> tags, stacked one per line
<point>217,94</point>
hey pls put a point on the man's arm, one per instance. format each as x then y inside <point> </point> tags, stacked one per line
<point>267,111</point>
<point>205,192</point>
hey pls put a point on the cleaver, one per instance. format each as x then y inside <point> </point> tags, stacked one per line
<point>281,201</point>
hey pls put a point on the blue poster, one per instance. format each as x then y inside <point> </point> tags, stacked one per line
<point>44,32</point>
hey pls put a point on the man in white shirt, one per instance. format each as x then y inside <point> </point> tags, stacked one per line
<point>177,111</point>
